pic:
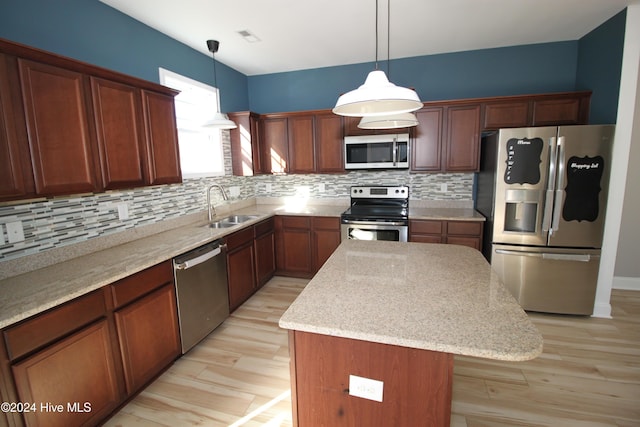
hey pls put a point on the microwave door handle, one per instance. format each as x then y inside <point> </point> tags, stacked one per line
<point>559,185</point>
<point>551,179</point>
<point>395,151</point>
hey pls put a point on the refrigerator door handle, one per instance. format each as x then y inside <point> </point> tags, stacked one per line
<point>546,255</point>
<point>559,186</point>
<point>548,202</point>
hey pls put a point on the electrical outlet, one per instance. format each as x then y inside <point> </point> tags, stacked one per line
<point>321,188</point>
<point>1,235</point>
<point>443,188</point>
<point>123,211</point>
<point>15,232</point>
<point>268,187</point>
<point>234,191</point>
<point>365,388</point>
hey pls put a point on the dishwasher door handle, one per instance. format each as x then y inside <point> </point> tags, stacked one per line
<point>200,259</point>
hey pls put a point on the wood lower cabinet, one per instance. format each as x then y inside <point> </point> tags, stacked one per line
<point>84,358</point>
<point>148,335</point>
<point>326,239</point>
<point>241,271</point>
<point>264,246</point>
<point>78,371</point>
<point>303,244</point>
<point>466,233</point>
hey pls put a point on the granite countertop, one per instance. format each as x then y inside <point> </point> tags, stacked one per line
<point>451,214</point>
<point>435,297</point>
<point>31,292</point>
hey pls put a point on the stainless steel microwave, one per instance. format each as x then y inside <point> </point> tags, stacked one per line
<point>377,151</point>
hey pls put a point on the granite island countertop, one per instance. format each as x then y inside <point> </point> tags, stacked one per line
<point>435,297</point>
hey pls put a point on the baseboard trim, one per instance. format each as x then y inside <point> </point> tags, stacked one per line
<point>626,283</point>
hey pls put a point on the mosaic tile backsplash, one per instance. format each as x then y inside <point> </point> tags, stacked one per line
<point>63,221</point>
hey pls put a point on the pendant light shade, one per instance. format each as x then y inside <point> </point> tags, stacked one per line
<point>402,120</point>
<point>219,120</point>
<point>377,97</point>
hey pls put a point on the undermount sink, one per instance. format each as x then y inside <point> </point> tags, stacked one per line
<point>232,220</point>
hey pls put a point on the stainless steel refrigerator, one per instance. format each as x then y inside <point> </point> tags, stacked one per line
<point>544,193</point>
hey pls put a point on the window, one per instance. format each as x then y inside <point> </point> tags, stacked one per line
<point>200,149</point>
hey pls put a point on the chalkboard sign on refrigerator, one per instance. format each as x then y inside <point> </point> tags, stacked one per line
<point>523,161</point>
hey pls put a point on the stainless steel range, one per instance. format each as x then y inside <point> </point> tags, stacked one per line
<point>377,213</point>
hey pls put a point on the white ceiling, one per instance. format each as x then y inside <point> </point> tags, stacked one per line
<point>300,34</point>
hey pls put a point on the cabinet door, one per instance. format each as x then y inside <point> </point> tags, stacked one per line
<point>162,138</point>
<point>120,131</point>
<point>326,239</point>
<point>265,257</point>
<point>329,143</point>
<point>293,246</point>
<point>426,144</point>
<point>16,178</point>
<point>552,112</point>
<point>506,115</point>
<point>274,142</point>
<point>77,371</point>
<point>60,135</point>
<point>149,337</point>
<point>301,147</point>
<point>463,138</point>
<point>241,275</point>
<point>245,154</point>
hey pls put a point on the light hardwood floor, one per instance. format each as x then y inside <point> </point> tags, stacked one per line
<point>588,375</point>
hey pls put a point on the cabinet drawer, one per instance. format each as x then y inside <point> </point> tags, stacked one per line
<point>423,238</point>
<point>464,228</point>
<point>326,223</point>
<point>239,238</point>
<point>296,222</point>
<point>47,327</point>
<point>264,227</point>
<point>133,287</point>
<point>425,227</point>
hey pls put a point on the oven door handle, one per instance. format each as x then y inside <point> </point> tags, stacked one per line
<point>359,222</point>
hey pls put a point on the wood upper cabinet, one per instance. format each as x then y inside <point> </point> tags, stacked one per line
<point>567,108</point>
<point>447,138</point>
<point>61,137</point>
<point>162,138</point>
<point>16,177</point>
<point>463,138</point>
<point>300,136</point>
<point>245,144</point>
<point>117,109</point>
<point>329,143</point>
<point>426,144</point>
<point>274,144</point>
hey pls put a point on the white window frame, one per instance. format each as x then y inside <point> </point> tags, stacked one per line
<point>201,151</point>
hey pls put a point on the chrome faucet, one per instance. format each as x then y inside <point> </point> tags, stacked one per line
<point>211,209</point>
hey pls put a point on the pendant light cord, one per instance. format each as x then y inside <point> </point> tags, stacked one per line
<point>376,34</point>
<point>388,38</point>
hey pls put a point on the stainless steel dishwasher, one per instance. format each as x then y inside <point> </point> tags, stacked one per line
<point>201,291</point>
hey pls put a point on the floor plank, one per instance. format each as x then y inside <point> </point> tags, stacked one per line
<point>588,375</point>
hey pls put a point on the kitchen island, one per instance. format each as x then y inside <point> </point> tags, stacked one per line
<point>396,313</point>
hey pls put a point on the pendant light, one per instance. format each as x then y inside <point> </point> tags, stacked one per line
<point>377,96</point>
<point>392,121</point>
<point>219,120</point>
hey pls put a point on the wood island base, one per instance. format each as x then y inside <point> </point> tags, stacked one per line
<point>417,384</point>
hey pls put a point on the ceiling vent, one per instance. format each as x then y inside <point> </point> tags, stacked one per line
<point>248,36</point>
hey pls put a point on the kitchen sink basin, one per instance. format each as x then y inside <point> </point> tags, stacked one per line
<point>239,219</point>
<point>232,220</point>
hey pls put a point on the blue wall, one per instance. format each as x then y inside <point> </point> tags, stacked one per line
<point>93,32</point>
<point>549,67</point>
<point>599,67</point>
